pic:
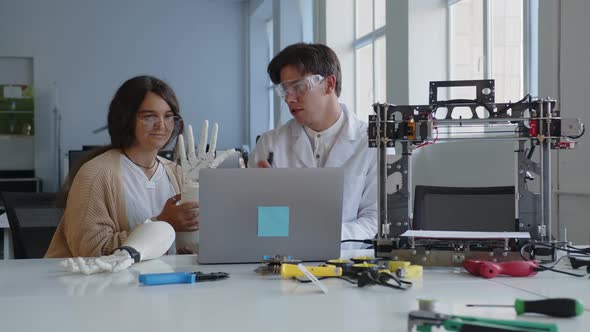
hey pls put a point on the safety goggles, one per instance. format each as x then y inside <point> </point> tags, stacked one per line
<point>298,88</point>
<point>151,121</point>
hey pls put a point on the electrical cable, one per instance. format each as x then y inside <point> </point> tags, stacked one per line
<point>571,249</point>
<point>367,241</point>
<point>581,134</point>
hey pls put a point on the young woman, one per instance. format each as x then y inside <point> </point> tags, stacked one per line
<point>126,183</point>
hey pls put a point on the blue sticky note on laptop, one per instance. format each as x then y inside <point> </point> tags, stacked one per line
<point>273,221</point>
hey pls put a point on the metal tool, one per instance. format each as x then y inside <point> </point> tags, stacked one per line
<point>425,320</point>
<point>557,307</point>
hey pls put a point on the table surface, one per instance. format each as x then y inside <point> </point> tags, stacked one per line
<point>37,294</point>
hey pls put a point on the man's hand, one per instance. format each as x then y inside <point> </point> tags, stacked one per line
<point>263,164</point>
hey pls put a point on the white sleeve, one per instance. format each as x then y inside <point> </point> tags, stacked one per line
<point>365,226</point>
<point>260,151</point>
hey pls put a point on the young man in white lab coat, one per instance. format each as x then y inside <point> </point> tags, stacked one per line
<point>322,133</point>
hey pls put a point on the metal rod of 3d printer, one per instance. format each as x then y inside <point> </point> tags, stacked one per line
<point>410,188</point>
<point>547,175</point>
<point>542,153</point>
<point>381,112</point>
<point>507,138</point>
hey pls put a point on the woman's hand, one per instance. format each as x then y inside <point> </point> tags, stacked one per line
<point>186,250</point>
<point>183,217</point>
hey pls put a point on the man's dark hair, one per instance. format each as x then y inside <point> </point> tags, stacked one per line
<point>315,59</point>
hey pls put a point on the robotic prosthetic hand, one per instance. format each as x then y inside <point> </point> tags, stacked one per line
<point>191,163</point>
<point>147,241</point>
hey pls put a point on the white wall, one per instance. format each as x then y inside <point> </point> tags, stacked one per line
<point>88,48</point>
<point>564,50</point>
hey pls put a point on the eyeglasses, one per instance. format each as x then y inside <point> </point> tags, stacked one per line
<point>171,122</point>
<point>298,88</point>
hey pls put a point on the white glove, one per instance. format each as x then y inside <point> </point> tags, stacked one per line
<point>191,163</point>
<point>150,239</point>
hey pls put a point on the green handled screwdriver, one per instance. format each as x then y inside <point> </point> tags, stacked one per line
<point>557,307</point>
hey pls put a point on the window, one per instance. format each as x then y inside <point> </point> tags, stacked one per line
<point>507,49</point>
<point>487,41</point>
<point>369,54</point>
<point>270,93</point>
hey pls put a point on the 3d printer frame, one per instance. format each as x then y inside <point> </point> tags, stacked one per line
<point>536,121</point>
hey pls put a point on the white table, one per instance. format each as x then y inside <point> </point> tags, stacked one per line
<point>37,295</point>
<point>7,240</point>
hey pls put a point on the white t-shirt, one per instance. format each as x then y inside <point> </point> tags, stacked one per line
<point>323,142</point>
<point>144,198</point>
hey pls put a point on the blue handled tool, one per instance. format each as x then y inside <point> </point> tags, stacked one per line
<point>152,279</point>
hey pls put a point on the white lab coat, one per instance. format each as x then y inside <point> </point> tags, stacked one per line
<point>292,148</point>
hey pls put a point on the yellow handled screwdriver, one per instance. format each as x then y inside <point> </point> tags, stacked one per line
<point>556,307</point>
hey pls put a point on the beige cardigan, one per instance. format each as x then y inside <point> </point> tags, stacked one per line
<point>95,219</point>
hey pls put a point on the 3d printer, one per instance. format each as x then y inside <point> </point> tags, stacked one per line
<point>533,124</point>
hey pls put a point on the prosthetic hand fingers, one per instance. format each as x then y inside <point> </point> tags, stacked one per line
<point>182,153</point>
<point>191,155</point>
<point>122,265</point>
<point>104,266</point>
<point>118,261</point>
<point>224,155</point>
<point>70,265</point>
<point>213,143</point>
<point>203,141</point>
<point>87,267</point>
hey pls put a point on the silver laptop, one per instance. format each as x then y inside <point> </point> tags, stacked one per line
<point>246,214</point>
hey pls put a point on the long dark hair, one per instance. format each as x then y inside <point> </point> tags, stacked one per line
<point>122,119</point>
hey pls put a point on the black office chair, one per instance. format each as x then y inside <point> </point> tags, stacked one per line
<point>33,218</point>
<point>479,209</point>
<point>74,157</point>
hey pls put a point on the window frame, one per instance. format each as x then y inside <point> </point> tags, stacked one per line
<point>530,43</point>
<point>269,23</point>
<point>363,41</point>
